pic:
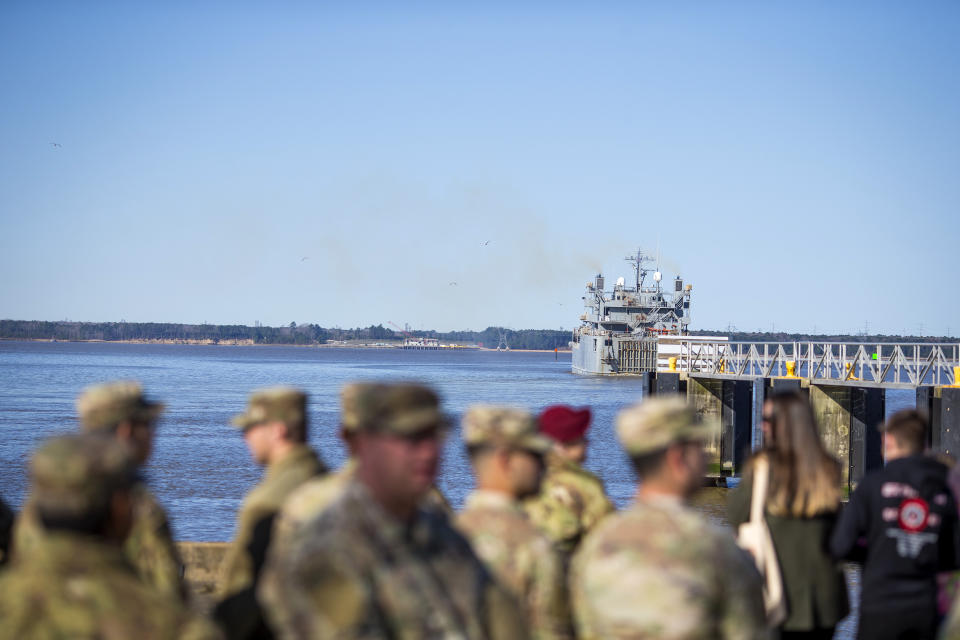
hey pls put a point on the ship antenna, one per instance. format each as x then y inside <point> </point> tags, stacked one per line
<point>658,260</point>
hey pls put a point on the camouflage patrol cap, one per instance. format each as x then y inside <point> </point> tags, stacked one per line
<point>104,406</point>
<point>500,426</point>
<point>657,423</point>
<point>75,474</point>
<point>402,409</point>
<point>285,404</point>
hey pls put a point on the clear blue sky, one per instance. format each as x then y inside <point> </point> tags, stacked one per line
<point>798,163</point>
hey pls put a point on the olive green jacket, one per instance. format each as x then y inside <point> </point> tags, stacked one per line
<point>238,611</point>
<point>149,547</point>
<point>813,582</point>
<point>76,586</point>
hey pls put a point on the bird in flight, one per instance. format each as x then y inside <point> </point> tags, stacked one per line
<point>485,243</point>
<point>56,144</point>
<point>304,258</point>
<point>453,284</point>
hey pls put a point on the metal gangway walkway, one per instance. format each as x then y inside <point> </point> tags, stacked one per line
<point>887,365</point>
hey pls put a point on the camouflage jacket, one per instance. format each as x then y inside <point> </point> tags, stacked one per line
<point>306,503</point>
<point>571,501</point>
<point>149,547</point>
<point>238,611</point>
<point>521,557</point>
<point>257,513</point>
<point>362,574</point>
<point>660,570</point>
<point>74,586</point>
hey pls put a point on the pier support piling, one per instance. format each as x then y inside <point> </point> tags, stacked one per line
<point>737,421</point>
<point>705,396</point>
<point>950,420</point>
<point>848,417</point>
<point>942,405</point>
<point>667,382</point>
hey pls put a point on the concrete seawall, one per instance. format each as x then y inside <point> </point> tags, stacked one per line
<point>202,562</point>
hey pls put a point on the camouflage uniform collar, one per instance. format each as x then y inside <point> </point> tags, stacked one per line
<point>393,533</point>
<point>59,548</point>
<point>556,462</point>
<point>295,457</point>
<point>662,501</point>
<point>482,499</point>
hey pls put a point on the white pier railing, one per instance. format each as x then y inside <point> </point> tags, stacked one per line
<point>902,365</point>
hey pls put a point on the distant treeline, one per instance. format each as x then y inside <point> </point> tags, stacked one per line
<point>312,334</point>
<point>304,334</point>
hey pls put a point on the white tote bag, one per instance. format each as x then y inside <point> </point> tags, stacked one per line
<point>754,536</point>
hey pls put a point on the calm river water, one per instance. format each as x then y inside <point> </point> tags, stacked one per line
<point>200,468</point>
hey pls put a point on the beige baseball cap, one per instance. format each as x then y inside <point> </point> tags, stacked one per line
<point>104,406</point>
<point>285,404</point>
<point>402,409</point>
<point>502,426</point>
<point>70,475</point>
<point>657,423</point>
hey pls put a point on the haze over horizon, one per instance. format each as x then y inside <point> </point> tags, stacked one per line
<point>232,163</point>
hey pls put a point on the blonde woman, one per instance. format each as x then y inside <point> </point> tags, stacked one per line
<point>803,500</point>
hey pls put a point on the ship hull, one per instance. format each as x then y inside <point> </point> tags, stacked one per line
<point>613,356</point>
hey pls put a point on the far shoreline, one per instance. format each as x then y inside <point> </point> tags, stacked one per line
<point>251,343</point>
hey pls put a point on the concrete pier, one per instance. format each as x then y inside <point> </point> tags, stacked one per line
<point>942,404</point>
<point>202,562</point>
<point>848,417</point>
<point>737,423</point>
<point>847,414</point>
<point>705,396</point>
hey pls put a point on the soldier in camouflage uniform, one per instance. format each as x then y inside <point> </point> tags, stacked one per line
<point>275,430</point>
<point>659,569</point>
<point>120,411</point>
<point>305,504</point>
<point>374,564</point>
<point>507,455</point>
<point>571,499</point>
<point>76,582</point>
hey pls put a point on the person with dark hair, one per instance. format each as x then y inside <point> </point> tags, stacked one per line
<point>659,569</point>
<point>76,582</point>
<point>901,523</point>
<point>506,452</point>
<point>121,411</point>
<point>802,503</point>
<point>274,428</point>
<point>571,499</point>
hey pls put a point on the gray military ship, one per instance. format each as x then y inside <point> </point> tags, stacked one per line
<point>621,328</point>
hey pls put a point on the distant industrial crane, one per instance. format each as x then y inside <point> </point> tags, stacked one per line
<point>403,331</point>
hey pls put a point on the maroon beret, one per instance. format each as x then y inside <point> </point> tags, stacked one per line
<point>563,423</point>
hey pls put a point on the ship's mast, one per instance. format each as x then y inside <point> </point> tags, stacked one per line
<point>637,262</point>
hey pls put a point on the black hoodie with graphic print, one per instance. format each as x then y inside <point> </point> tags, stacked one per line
<point>901,523</point>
